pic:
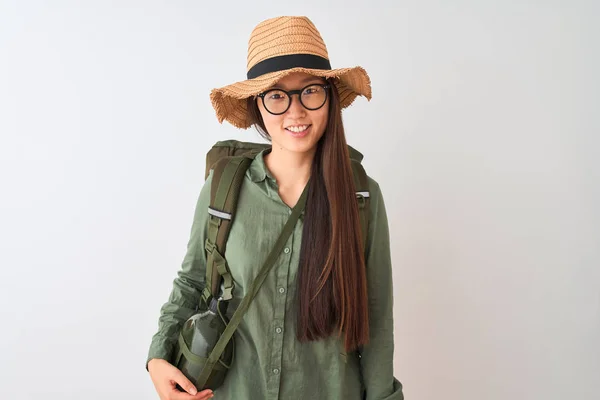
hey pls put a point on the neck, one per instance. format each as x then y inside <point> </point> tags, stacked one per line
<point>290,169</point>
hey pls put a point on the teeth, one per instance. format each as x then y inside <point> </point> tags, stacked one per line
<point>297,129</point>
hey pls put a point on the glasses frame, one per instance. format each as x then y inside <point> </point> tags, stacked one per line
<point>289,93</point>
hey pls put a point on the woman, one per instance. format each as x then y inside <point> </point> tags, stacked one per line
<point>320,327</point>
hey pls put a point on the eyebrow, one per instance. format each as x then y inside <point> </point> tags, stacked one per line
<point>303,81</point>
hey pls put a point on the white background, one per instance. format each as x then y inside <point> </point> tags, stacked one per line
<point>482,132</point>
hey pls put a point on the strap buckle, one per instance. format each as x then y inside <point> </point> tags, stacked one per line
<point>361,201</point>
<point>209,246</point>
<point>362,198</point>
<point>227,290</point>
<point>206,295</point>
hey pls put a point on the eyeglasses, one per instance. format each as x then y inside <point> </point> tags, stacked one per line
<point>278,101</point>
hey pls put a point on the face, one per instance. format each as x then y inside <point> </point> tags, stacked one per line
<point>299,129</point>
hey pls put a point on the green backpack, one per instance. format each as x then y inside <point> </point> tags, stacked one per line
<point>229,161</point>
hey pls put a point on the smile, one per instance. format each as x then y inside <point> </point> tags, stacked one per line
<point>297,128</point>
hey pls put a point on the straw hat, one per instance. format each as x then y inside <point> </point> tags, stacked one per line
<point>278,47</point>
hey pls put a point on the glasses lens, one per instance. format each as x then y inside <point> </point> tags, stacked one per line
<point>313,97</point>
<point>276,101</point>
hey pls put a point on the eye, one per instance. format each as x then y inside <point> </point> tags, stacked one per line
<point>275,95</point>
<point>312,90</point>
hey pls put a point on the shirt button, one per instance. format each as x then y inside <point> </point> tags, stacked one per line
<point>278,330</point>
<point>286,250</point>
<point>281,290</point>
<point>275,371</point>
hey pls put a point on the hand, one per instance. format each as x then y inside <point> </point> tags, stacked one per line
<point>165,378</point>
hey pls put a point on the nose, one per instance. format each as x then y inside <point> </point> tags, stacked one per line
<point>296,108</point>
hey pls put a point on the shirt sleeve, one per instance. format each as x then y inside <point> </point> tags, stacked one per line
<point>187,286</point>
<point>377,357</point>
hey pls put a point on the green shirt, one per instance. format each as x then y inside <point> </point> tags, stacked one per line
<point>270,362</point>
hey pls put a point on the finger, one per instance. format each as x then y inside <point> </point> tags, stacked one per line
<point>203,395</point>
<point>184,382</point>
<point>206,394</point>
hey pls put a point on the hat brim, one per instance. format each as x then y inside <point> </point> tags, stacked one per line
<point>229,101</point>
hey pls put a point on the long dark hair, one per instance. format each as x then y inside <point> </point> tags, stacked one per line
<point>332,283</point>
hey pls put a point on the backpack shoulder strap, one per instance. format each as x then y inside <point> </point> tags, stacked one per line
<point>230,148</point>
<point>361,182</point>
<point>228,176</point>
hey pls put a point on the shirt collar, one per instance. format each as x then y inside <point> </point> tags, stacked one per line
<point>258,170</point>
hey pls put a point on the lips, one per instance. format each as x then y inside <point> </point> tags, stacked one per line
<point>298,131</point>
<point>297,128</point>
